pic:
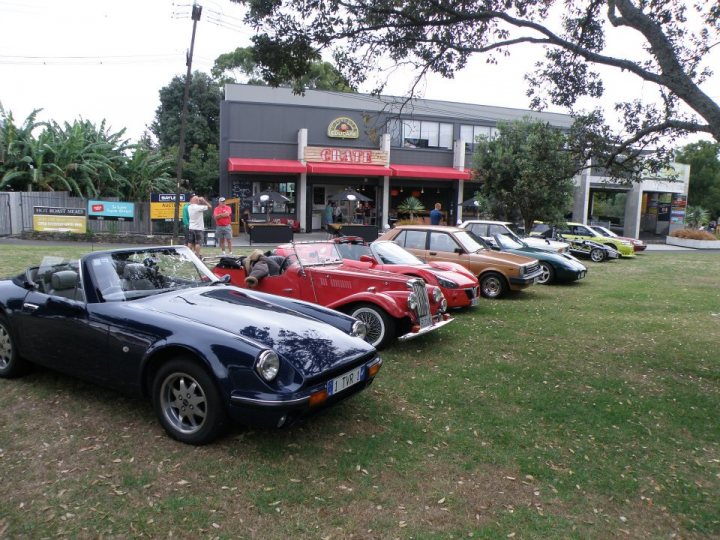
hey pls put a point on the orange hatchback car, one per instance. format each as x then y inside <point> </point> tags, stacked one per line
<point>497,272</point>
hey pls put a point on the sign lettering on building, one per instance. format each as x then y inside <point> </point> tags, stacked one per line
<point>343,128</point>
<point>355,156</point>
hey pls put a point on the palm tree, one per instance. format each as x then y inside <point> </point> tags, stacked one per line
<point>410,206</point>
<point>696,217</point>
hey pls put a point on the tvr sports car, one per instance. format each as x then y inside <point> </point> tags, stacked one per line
<point>157,322</point>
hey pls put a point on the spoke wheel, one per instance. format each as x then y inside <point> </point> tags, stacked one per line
<point>492,285</point>
<point>548,273</point>
<point>10,363</point>
<point>597,255</point>
<point>187,403</point>
<point>380,327</point>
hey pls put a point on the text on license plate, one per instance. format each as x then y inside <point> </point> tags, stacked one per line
<point>338,384</point>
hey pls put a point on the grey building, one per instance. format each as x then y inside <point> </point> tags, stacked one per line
<point>313,147</point>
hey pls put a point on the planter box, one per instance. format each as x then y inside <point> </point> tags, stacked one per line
<point>270,233</point>
<point>690,243</point>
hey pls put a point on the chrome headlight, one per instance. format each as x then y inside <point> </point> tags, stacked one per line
<point>437,294</point>
<point>267,365</point>
<point>448,284</point>
<point>359,329</point>
<point>412,302</point>
<point>443,305</point>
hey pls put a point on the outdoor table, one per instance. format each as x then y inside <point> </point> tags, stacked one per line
<point>270,233</point>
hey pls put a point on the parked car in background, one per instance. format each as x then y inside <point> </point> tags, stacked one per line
<point>156,322</point>
<point>459,286</point>
<point>391,305</point>
<point>555,267</point>
<point>579,231</point>
<point>497,272</point>
<point>487,230</point>
<point>638,245</point>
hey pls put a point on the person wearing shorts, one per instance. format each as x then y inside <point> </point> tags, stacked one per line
<point>223,227</point>
<point>196,232</point>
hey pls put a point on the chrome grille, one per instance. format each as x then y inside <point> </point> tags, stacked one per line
<point>532,268</point>
<point>423,310</point>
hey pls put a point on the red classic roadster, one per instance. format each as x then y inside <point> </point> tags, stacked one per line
<point>391,305</point>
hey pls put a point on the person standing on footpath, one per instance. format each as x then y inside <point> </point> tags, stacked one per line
<point>186,219</point>
<point>436,214</point>
<point>197,206</point>
<point>223,228</point>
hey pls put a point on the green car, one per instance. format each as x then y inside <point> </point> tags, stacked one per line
<point>555,267</point>
<point>578,231</point>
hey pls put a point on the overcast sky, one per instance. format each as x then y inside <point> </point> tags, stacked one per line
<point>101,59</point>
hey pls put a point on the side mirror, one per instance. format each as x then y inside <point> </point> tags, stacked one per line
<point>458,250</point>
<point>367,259</point>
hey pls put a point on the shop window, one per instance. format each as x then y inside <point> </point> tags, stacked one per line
<point>420,134</point>
<point>470,135</point>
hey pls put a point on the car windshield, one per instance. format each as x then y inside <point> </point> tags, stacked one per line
<point>605,232</point>
<point>391,253</point>
<point>505,241</point>
<point>129,274</point>
<point>469,241</point>
<point>317,253</point>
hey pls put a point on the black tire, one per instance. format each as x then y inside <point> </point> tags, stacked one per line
<point>380,326</point>
<point>492,285</point>
<point>597,255</point>
<point>187,402</point>
<point>11,365</point>
<point>548,273</point>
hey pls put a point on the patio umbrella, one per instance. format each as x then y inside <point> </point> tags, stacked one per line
<point>351,196</point>
<point>472,203</point>
<point>266,198</point>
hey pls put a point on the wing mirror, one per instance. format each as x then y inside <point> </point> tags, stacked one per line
<point>367,259</point>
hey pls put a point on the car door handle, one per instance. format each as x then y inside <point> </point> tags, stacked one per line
<point>287,290</point>
<point>27,306</point>
<point>432,252</point>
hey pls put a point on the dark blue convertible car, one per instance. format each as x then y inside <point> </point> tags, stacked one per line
<point>157,322</point>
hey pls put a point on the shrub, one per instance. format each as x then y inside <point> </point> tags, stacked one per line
<point>693,234</point>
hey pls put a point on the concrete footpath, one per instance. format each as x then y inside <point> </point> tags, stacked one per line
<point>243,241</point>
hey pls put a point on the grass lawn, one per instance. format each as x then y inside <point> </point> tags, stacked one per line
<point>581,411</point>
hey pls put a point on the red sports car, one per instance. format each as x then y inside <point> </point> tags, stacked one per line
<point>459,286</point>
<point>391,305</point>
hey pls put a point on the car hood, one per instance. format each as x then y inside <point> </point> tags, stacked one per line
<point>505,257</point>
<point>310,345</point>
<point>545,245</point>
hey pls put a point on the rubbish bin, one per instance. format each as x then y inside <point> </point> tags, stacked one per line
<point>210,240</point>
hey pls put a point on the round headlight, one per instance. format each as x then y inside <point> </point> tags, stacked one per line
<point>412,301</point>
<point>267,365</point>
<point>437,294</point>
<point>359,329</point>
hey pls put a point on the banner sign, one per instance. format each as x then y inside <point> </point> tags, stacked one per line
<point>355,156</point>
<point>51,219</point>
<point>111,210</point>
<point>162,206</point>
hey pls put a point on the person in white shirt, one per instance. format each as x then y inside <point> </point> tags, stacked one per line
<point>196,234</point>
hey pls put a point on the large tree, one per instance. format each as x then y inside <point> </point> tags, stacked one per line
<point>704,160</point>
<point>241,65</point>
<point>203,119</point>
<point>527,168</point>
<point>674,57</point>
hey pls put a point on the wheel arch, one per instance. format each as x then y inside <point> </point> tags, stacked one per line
<point>157,358</point>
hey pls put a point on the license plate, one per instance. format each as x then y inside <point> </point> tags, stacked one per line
<point>346,380</point>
